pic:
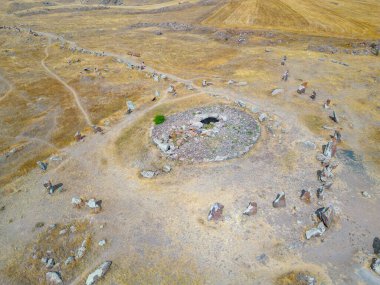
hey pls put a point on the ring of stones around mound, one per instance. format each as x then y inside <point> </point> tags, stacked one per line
<point>206,134</point>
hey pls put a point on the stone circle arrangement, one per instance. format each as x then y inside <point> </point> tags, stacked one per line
<point>205,134</point>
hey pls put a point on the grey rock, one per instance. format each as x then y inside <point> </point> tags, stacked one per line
<point>77,202</point>
<point>53,278</point>
<point>251,209</point>
<point>263,117</point>
<point>262,258</point>
<point>69,260</point>
<point>148,174</point>
<point>277,91</point>
<point>215,212</point>
<point>42,165</point>
<point>98,273</point>
<point>376,245</point>
<point>306,279</point>
<point>166,168</point>
<point>315,232</point>
<point>241,103</point>
<point>375,265</point>
<point>130,106</point>
<point>326,215</point>
<point>280,201</point>
<point>309,145</point>
<point>94,204</point>
<point>102,242</point>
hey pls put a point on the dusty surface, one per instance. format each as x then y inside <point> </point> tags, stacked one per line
<point>73,70</point>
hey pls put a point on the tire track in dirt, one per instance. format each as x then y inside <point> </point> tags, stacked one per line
<point>68,87</point>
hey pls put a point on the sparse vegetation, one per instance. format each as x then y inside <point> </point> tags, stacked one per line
<point>159,119</point>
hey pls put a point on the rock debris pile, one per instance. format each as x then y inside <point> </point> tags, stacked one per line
<point>213,133</point>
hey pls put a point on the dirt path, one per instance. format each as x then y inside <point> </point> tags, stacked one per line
<point>68,87</point>
<point>10,88</point>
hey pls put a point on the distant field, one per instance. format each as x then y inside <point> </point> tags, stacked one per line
<point>340,17</point>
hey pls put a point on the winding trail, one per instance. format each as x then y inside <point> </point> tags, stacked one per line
<point>10,88</point>
<point>68,87</point>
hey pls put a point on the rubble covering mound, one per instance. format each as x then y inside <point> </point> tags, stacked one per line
<point>212,133</point>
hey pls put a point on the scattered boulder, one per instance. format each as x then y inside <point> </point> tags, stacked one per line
<point>280,201</point>
<point>285,76</point>
<point>329,150</point>
<point>376,245</point>
<point>277,91</point>
<point>69,260</point>
<point>78,136</point>
<point>315,232</point>
<point>77,202</point>
<point>251,209</point>
<point>53,278</point>
<point>94,204</point>
<point>313,95</point>
<point>216,212</point>
<point>79,253</point>
<point>263,117</point>
<point>241,103</point>
<point>148,173</point>
<point>375,265</point>
<point>42,165</point>
<point>130,107</point>
<point>302,88</point>
<point>305,196</point>
<point>98,273</point>
<point>321,192</point>
<point>334,117</point>
<point>102,242</point>
<point>326,215</point>
<point>167,168</point>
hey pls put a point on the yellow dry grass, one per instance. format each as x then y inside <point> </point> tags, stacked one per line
<point>341,18</point>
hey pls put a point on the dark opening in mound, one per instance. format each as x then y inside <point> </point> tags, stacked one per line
<point>209,120</point>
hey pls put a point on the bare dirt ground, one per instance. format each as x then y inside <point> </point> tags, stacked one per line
<point>65,66</point>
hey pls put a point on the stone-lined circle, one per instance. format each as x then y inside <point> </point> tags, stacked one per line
<point>212,133</point>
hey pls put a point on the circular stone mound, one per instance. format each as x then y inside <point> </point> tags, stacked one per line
<point>206,134</point>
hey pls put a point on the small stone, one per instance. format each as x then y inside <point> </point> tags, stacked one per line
<point>94,204</point>
<point>326,215</point>
<point>302,88</point>
<point>262,258</point>
<point>315,232</point>
<point>334,117</point>
<point>81,250</point>
<point>130,107</point>
<point>305,196</point>
<point>215,212</point>
<point>280,201</point>
<point>263,117</point>
<point>241,103</point>
<point>167,168</point>
<point>230,82</point>
<point>321,193</point>
<point>77,202</point>
<point>73,229</point>
<point>98,273</point>
<point>251,209</point>
<point>69,260</point>
<point>277,91</point>
<point>62,232</point>
<point>376,245</point>
<point>102,242</point>
<point>50,263</point>
<point>375,265</point>
<point>148,174</point>
<point>366,194</point>
<point>53,278</point>
<point>42,165</point>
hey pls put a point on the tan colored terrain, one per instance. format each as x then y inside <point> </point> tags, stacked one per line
<point>156,229</point>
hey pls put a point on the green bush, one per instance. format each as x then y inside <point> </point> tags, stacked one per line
<point>159,119</point>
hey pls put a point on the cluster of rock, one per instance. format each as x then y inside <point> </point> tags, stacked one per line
<point>206,134</point>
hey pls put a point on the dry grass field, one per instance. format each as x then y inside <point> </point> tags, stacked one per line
<point>65,65</point>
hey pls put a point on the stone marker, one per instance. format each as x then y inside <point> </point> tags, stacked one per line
<point>277,91</point>
<point>376,245</point>
<point>98,273</point>
<point>251,209</point>
<point>53,278</point>
<point>315,232</point>
<point>130,107</point>
<point>334,117</point>
<point>326,215</point>
<point>305,196</point>
<point>148,173</point>
<point>42,165</point>
<point>280,201</point>
<point>375,265</point>
<point>215,212</point>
